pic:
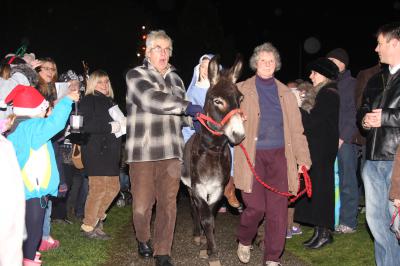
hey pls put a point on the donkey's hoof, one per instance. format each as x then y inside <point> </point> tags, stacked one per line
<point>203,240</point>
<point>197,240</point>
<point>214,262</point>
<point>203,254</point>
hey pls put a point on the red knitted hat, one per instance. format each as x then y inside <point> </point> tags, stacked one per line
<point>27,101</point>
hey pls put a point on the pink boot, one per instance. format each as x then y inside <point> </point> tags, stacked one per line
<point>28,262</point>
<point>49,244</point>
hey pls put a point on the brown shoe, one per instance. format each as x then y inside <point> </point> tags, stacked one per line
<point>230,195</point>
<point>96,234</point>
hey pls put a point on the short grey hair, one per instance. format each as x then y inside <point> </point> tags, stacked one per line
<point>265,47</point>
<point>157,35</point>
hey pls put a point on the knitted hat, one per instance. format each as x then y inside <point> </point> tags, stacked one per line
<point>339,54</point>
<point>27,101</point>
<point>325,67</point>
<point>70,75</point>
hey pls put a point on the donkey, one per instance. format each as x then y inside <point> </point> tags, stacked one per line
<point>207,158</point>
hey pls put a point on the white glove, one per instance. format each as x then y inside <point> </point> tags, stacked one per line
<point>115,126</point>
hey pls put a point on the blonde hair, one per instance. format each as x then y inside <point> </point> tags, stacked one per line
<point>94,78</point>
<point>157,35</point>
<point>265,47</point>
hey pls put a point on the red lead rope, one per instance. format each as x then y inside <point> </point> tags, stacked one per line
<point>292,198</point>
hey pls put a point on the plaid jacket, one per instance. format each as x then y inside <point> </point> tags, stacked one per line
<point>155,114</point>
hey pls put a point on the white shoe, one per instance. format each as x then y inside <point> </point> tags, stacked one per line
<point>344,229</point>
<point>272,263</point>
<point>243,253</point>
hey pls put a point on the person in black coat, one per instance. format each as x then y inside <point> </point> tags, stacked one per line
<point>320,115</point>
<point>101,153</point>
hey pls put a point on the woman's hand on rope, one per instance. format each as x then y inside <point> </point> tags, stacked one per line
<point>396,203</point>
<point>300,169</point>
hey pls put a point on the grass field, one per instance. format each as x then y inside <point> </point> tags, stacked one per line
<point>79,251</point>
<point>350,249</point>
<point>347,249</point>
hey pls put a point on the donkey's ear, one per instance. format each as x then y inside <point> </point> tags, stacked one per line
<point>213,70</point>
<point>236,69</point>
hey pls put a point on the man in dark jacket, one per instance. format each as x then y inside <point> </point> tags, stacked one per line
<point>379,119</point>
<point>347,153</point>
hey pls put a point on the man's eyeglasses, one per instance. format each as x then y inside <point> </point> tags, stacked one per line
<point>158,50</point>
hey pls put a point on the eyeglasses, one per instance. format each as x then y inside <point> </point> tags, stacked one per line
<point>158,50</point>
<point>48,69</point>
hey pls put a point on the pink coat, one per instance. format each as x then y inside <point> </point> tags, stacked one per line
<point>296,146</point>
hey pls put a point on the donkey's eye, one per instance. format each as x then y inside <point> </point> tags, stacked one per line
<point>218,101</point>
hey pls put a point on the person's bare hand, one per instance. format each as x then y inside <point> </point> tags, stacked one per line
<point>340,143</point>
<point>300,170</point>
<point>373,119</point>
<point>396,203</point>
<point>74,95</point>
<point>35,63</point>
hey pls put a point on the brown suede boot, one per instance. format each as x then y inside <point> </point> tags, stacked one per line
<point>230,195</point>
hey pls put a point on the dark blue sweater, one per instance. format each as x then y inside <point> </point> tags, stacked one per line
<point>270,132</point>
<point>347,116</point>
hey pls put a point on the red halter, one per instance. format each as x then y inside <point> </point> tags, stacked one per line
<point>204,119</point>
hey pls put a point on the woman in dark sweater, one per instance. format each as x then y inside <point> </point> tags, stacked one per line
<point>320,115</point>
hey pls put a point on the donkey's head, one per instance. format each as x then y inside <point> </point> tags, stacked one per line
<point>223,100</point>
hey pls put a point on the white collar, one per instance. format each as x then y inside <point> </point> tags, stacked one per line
<point>394,69</point>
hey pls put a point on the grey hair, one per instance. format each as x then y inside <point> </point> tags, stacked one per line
<point>265,47</point>
<point>157,35</point>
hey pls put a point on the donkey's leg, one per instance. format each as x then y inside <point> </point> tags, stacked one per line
<point>197,231</point>
<point>207,222</point>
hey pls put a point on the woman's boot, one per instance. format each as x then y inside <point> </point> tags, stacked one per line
<point>325,237</point>
<point>313,238</point>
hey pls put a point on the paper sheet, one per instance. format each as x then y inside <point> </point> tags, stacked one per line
<point>117,115</point>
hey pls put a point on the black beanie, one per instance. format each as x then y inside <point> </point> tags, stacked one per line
<point>339,54</point>
<point>325,67</point>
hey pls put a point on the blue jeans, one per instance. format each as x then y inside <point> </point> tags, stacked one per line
<point>47,221</point>
<point>377,179</point>
<point>81,200</point>
<point>347,160</point>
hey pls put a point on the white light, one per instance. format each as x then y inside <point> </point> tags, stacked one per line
<point>143,27</point>
<point>138,54</point>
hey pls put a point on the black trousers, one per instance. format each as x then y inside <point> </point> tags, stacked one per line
<point>34,217</point>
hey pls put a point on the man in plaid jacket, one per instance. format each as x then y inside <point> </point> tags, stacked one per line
<point>157,110</point>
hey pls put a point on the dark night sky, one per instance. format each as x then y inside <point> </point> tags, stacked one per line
<point>107,35</point>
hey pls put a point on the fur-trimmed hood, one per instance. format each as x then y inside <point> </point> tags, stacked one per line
<point>28,72</point>
<point>309,98</point>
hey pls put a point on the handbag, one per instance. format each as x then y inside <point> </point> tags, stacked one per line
<point>77,156</point>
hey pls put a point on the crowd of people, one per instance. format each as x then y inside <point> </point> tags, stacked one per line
<point>289,127</point>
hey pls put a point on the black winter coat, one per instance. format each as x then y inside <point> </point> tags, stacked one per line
<point>101,153</point>
<point>321,127</point>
